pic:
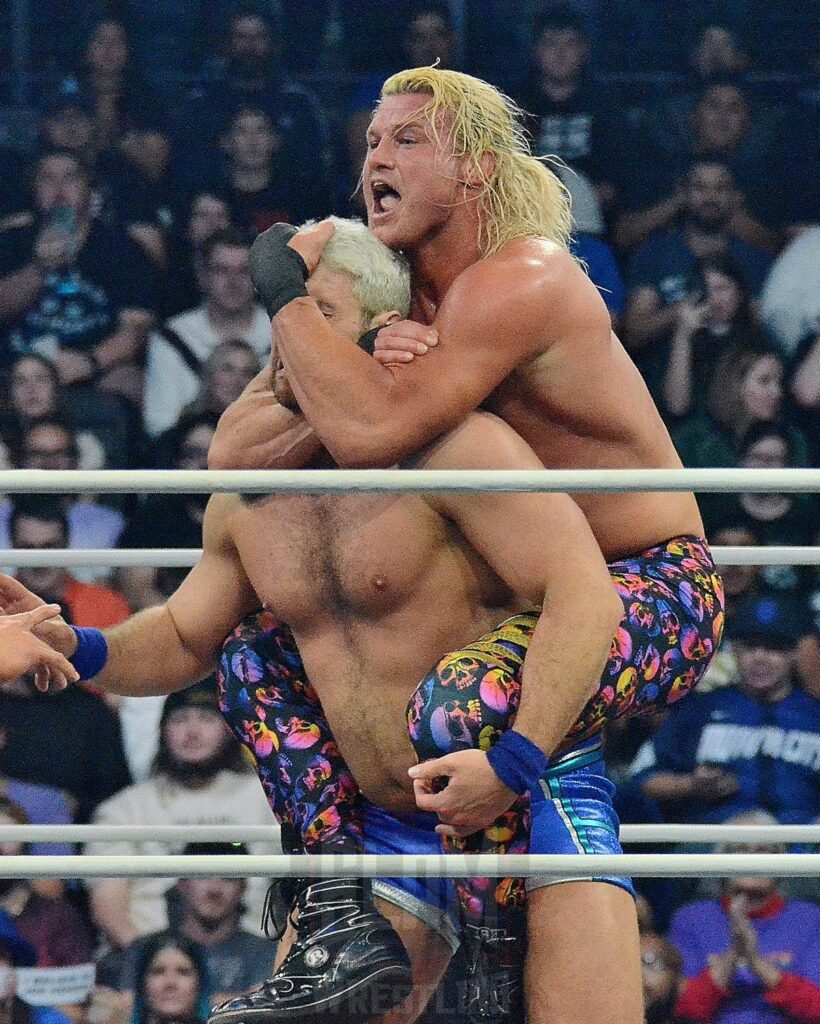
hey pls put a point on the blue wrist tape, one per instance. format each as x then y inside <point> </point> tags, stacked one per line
<point>517,762</point>
<point>92,652</point>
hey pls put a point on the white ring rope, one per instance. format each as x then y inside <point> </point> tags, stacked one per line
<point>183,558</point>
<point>654,833</point>
<point>413,481</point>
<point>638,865</point>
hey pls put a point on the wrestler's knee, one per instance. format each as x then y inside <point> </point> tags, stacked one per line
<point>466,701</point>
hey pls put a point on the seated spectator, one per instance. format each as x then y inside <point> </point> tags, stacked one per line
<point>715,319</point>
<point>722,130</point>
<point>568,117</point>
<point>178,350</point>
<point>200,777</point>
<point>661,275</point>
<point>225,374</point>
<point>72,288</point>
<point>124,196</point>
<point>206,214</point>
<point>171,987</point>
<point>805,389</point>
<point>40,805</point>
<point>250,76</point>
<point>661,972</point>
<point>34,393</point>
<point>775,518</point>
<point>68,739</point>
<point>169,520</point>
<point>127,115</point>
<point>206,911</point>
<point>260,187</point>
<point>47,920</point>
<point>719,51</point>
<point>790,301</point>
<point>52,444</point>
<point>755,744</point>
<point>15,951</point>
<point>752,954</point>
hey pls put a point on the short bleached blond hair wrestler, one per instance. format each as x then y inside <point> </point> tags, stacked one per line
<point>520,195</point>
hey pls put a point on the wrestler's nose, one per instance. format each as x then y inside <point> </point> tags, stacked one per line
<point>381,155</point>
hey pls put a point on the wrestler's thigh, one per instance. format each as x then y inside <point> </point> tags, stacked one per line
<point>583,960</point>
<point>429,955</point>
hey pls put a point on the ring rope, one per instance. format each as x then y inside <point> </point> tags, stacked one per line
<point>413,481</point>
<point>645,865</point>
<point>183,558</point>
<point>652,833</point>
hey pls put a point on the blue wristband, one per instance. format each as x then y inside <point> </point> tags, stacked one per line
<point>517,762</point>
<point>92,652</point>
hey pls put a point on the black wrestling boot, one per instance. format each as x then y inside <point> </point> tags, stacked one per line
<point>347,962</point>
<point>494,987</point>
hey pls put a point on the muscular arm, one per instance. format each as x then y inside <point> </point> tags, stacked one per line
<point>256,432</point>
<point>171,646</point>
<point>494,317</point>
<point>542,547</point>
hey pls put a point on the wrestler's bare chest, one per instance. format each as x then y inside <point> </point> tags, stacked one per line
<point>359,557</point>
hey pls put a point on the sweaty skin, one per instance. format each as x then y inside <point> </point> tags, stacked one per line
<point>523,332</point>
<point>376,589</point>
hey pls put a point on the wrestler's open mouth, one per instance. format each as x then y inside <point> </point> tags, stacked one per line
<point>385,197</point>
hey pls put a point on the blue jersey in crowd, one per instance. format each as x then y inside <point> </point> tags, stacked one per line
<point>772,749</point>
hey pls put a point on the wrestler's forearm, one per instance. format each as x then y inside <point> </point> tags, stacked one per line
<point>147,657</point>
<point>258,432</point>
<point>563,665</point>
<point>341,390</point>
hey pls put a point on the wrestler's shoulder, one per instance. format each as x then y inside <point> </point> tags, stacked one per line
<point>218,515</point>
<point>521,267</point>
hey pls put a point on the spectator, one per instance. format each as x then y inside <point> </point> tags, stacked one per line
<point>52,444</point>
<point>661,971</point>
<point>200,777</point>
<point>661,274</point>
<point>790,302</point>
<point>34,393</point>
<point>715,319</point>
<point>721,131</point>
<point>805,389</point>
<point>169,520</point>
<point>68,740</point>
<point>568,118</point>
<point>177,352</point>
<point>755,744</point>
<point>15,951</point>
<point>171,987</point>
<point>719,51</point>
<point>206,911</point>
<point>47,920</point>
<point>752,954</point>
<point>72,288</point>
<point>127,116</point>
<point>205,215</point>
<point>775,518</point>
<point>124,196</point>
<point>225,374</point>
<point>746,390</point>
<point>251,77</point>
<point>40,805</point>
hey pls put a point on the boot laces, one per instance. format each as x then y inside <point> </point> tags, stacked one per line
<point>281,892</point>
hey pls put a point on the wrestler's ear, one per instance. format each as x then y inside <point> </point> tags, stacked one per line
<point>475,177</point>
<point>383,319</point>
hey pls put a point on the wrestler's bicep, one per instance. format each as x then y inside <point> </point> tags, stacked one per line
<point>216,593</point>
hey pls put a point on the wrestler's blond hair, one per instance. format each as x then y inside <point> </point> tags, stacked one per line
<point>520,195</point>
<point>381,277</point>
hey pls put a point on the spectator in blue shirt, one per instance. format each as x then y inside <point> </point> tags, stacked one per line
<point>755,744</point>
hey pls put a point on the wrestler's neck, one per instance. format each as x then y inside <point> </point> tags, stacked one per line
<point>438,259</point>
